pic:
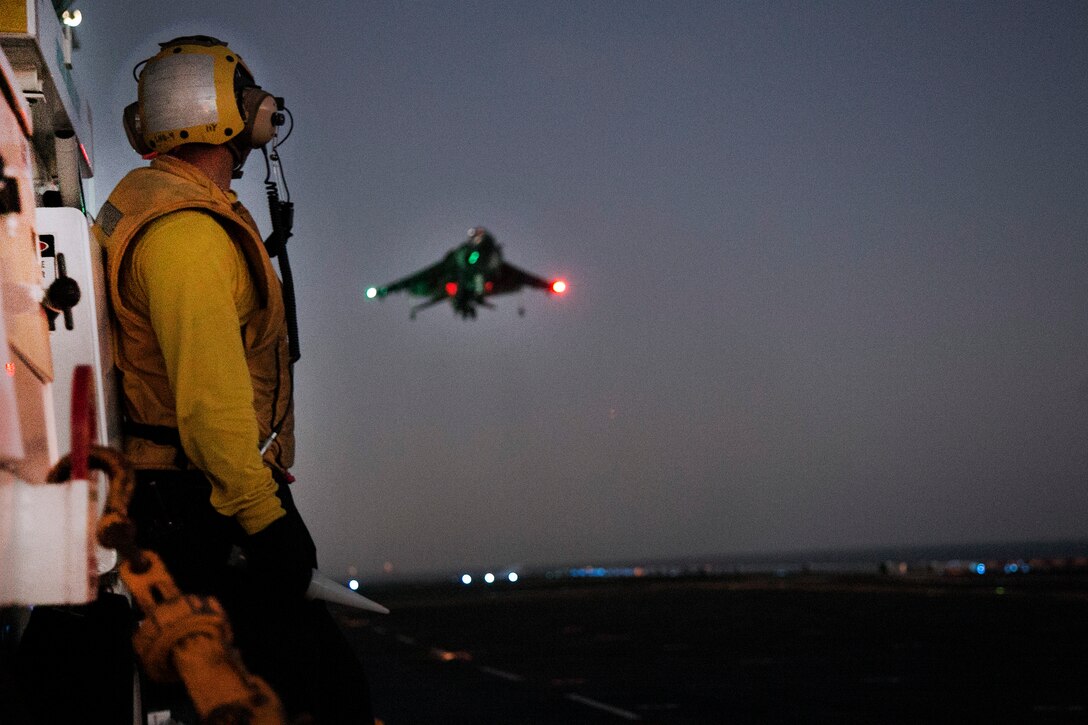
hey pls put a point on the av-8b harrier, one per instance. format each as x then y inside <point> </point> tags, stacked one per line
<point>467,276</point>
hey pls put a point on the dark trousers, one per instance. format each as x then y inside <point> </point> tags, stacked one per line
<point>295,646</point>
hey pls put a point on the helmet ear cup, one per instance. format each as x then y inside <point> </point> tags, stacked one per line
<point>134,129</point>
<point>258,110</point>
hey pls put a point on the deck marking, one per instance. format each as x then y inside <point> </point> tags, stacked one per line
<point>625,714</point>
<point>502,674</point>
<point>405,639</point>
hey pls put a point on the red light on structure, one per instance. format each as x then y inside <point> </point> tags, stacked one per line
<point>559,286</point>
<point>488,286</point>
<point>9,368</point>
<point>451,289</point>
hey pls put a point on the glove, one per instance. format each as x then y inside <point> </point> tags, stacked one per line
<point>282,556</point>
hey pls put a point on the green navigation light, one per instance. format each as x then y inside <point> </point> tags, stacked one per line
<point>372,293</point>
<point>473,258</point>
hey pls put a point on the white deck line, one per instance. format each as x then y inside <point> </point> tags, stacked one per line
<point>604,707</point>
<point>502,674</point>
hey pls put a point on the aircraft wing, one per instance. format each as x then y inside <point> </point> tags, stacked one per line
<point>426,281</point>
<point>511,279</point>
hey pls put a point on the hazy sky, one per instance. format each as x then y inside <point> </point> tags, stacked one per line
<point>828,266</point>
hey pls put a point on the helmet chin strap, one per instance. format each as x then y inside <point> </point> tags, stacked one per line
<point>240,155</point>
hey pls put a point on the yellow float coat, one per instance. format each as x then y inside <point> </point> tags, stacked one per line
<point>199,333</point>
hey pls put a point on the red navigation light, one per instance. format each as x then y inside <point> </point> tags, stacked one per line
<point>488,286</point>
<point>451,289</point>
<point>559,286</point>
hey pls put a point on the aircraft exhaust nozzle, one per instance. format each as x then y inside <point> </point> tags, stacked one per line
<point>326,589</point>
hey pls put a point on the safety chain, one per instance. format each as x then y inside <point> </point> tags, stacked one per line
<point>183,636</point>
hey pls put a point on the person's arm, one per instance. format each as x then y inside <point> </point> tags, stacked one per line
<point>198,290</point>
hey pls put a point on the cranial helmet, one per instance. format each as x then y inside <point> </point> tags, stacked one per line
<point>197,90</point>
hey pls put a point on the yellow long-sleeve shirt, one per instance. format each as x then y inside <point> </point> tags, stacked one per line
<point>193,284</point>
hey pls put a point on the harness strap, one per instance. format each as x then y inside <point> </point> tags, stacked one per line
<point>162,435</point>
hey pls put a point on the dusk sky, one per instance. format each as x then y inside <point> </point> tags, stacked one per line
<point>828,267</point>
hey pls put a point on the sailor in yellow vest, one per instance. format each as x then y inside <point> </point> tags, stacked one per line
<point>201,343</point>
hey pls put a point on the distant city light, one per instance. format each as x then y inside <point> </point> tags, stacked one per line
<point>600,571</point>
<point>372,293</point>
<point>489,578</point>
<point>353,585</point>
<point>71,18</point>
<point>512,576</point>
<point>466,579</point>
